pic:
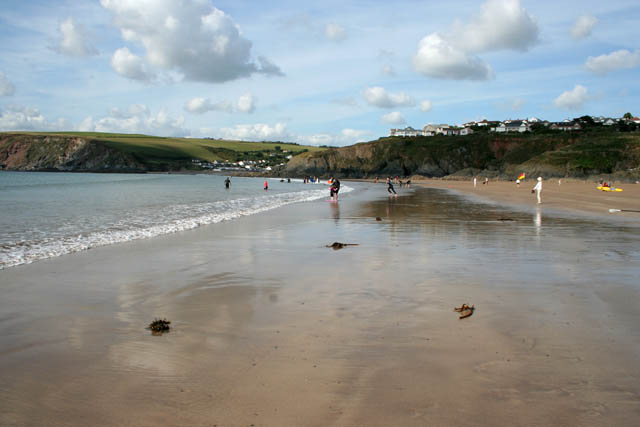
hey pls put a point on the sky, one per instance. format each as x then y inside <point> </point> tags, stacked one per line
<point>324,73</point>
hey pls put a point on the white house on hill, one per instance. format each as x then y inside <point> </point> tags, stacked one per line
<point>512,126</point>
<point>408,131</point>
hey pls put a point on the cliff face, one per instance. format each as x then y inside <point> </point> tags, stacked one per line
<point>62,153</point>
<point>492,155</point>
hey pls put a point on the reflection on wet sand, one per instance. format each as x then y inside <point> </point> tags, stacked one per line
<point>335,211</point>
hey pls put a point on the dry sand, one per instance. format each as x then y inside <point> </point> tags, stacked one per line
<point>271,328</point>
<point>572,196</point>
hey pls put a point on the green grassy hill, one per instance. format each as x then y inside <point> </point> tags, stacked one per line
<point>39,151</point>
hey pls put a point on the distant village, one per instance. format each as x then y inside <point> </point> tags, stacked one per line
<point>521,126</point>
<point>242,165</point>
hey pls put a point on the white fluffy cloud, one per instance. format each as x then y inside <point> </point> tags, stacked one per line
<point>202,105</point>
<point>618,60</point>
<point>246,103</point>
<point>583,27</point>
<point>24,118</point>
<point>501,24</point>
<point>317,139</point>
<point>335,32</point>
<point>379,97</point>
<point>346,137</point>
<point>130,65</point>
<point>73,40</point>
<point>6,87</point>
<point>257,132</point>
<point>279,132</point>
<point>573,99</point>
<point>440,59</point>
<point>394,118</point>
<point>137,119</point>
<point>355,134</point>
<point>426,106</point>
<point>190,37</point>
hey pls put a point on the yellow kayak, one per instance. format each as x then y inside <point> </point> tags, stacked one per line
<point>608,188</point>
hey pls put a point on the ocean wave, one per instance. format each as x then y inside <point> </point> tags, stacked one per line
<point>165,221</point>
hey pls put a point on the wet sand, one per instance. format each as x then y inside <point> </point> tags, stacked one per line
<point>271,328</point>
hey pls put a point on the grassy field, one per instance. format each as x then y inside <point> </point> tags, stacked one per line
<point>153,149</point>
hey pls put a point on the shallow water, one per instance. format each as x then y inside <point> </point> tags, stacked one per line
<point>44,215</point>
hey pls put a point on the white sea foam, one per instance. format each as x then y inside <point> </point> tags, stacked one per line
<point>145,225</point>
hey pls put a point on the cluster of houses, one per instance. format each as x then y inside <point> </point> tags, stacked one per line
<point>431,130</point>
<point>504,126</point>
<point>242,165</point>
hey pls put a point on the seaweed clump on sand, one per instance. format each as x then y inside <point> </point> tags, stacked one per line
<point>465,310</point>
<point>338,245</point>
<point>159,326</point>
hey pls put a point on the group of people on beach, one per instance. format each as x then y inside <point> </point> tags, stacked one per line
<point>334,184</point>
<point>475,181</point>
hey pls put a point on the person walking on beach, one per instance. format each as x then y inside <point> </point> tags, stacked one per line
<point>475,182</point>
<point>266,185</point>
<point>335,187</point>
<point>538,189</point>
<point>227,182</point>
<point>518,182</point>
<point>390,188</point>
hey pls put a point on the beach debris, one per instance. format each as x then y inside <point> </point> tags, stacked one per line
<point>338,245</point>
<point>465,310</point>
<point>159,326</point>
<point>621,210</point>
<point>378,218</point>
<point>506,219</point>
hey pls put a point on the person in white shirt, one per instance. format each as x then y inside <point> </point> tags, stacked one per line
<point>538,189</point>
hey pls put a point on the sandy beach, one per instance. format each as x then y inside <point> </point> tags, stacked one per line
<point>567,195</point>
<point>272,328</point>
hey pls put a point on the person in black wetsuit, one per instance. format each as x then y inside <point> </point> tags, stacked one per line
<point>227,182</point>
<point>390,188</point>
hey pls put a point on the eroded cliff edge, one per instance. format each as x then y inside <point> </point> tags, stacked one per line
<point>29,152</point>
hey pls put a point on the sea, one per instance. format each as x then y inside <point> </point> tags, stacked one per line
<point>50,214</point>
